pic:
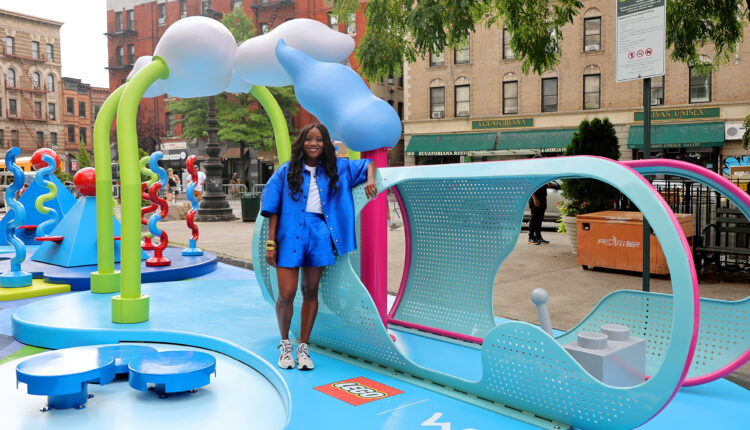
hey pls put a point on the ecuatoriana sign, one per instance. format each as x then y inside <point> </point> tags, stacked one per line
<point>502,123</point>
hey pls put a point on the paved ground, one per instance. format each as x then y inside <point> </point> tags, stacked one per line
<point>573,291</point>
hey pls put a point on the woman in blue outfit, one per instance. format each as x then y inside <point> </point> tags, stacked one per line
<point>309,204</point>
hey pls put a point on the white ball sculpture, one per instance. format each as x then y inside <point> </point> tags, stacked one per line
<point>255,60</point>
<point>141,62</point>
<point>199,52</point>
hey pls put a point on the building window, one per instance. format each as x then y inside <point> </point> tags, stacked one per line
<point>400,111</point>
<point>592,34</point>
<point>131,19</point>
<point>657,91</point>
<point>53,140</point>
<point>82,132</point>
<point>437,59</point>
<point>162,12</point>
<point>35,50</point>
<point>1,108</point>
<point>183,8</point>
<point>50,83</point>
<point>2,138</point>
<point>700,86</point>
<point>171,124</point>
<point>81,109</point>
<point>507,51</point>
<point>36,80</point>
<point>11,74</point>
<point>14,138</point>
<point>118,21</point>
<point>510,97</point>
<point>263,27</point>
<point>591,91</point>
<point>9,45</point>
<point>461,53</point>
<point>96,111</point>
<point>39,139</point>
<point>351,24</point>
<point>50,52</point>
<point>236,4</point>
<point>437,102</point>
<point>38,110</point>
<point>51,111</point>
<point>463,101</point>
<point>69,106</point>
<point>131,54</point>
<point>549,95</point>
<point>333,22</point>
<point>71,134</point>
<point>119,55</point>
<point>12,107</point>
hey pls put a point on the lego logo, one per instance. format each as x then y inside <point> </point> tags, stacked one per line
<point>359,390</point>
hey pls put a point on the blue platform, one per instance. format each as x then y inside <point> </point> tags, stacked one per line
<point>171,371</point>
<point>236,321</point>
<point>79,278</point>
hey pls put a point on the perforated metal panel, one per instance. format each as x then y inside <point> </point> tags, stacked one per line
<point>460,231</point>
<point>723,337</point>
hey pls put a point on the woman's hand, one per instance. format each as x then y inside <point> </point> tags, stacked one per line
<point>271,258</point>
<point>371,190</point>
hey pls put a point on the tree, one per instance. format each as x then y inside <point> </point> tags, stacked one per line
<point>242,121</point>
<point>400,30</point>
<point>83,157</point>
<point>746,135</point>
<point>595,137</point>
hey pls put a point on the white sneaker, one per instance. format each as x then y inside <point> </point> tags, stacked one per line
<point>303,358</point>
<point>286,359</point>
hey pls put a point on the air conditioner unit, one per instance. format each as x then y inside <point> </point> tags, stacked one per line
<point>437,115</point>
<point>592,47</point>
<point>733,131</point>
<point>462,113</point>
<point>183,15</point>
<point>162,21</point>
<point>390,81</point>
<point>655,102</point>
<point>170,133</point>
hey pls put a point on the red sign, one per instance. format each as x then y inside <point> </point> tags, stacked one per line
<point>358,391</point>
<point>649,51</point>
<point>631,55</point>
<point>640,53</point>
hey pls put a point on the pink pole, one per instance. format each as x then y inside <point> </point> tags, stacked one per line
<point>374,241</point>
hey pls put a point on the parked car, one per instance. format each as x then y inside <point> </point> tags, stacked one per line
<point>554,195</point>
<point>6,179</point>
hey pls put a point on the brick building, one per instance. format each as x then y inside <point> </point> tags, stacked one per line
<point>135,26</point>
<point>79,109</point>
<point>30,90</point>
<point>474,103</point>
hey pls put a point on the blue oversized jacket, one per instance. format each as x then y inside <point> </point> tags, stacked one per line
<point>338,208</point>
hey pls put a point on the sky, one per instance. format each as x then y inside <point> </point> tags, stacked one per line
<point>84,45</point>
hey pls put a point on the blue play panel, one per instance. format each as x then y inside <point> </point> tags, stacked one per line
<point>79,278</point>
<point>231,318</point>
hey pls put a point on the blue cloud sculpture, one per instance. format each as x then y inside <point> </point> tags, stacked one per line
<point>341,100</point>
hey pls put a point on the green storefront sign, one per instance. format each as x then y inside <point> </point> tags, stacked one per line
<point>502,123</point>
<point>678,114</point>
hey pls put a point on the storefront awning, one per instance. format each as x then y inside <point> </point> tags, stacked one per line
<point>451,144</point>
<point>535,139</point>
<point>695,135</point>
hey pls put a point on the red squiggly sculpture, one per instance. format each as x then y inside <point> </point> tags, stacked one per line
<point>158,259</point>
<point>146,244</point>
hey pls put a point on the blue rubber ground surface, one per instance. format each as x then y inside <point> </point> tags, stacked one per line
<point>79,278</point>
<point>232,318</point>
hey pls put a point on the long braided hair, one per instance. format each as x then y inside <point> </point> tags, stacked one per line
<point>297,161</point>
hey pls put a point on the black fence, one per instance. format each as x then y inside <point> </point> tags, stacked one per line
<point>721,236</point>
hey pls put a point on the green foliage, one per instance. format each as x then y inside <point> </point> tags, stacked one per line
<point>399,31</point>
<point>241,119</point>
<point>63,177</point>
<point>746,136</point>
<point>83,157</point>
<point>595,137</point>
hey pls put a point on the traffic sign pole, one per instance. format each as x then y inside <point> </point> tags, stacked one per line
<point>646,155</point>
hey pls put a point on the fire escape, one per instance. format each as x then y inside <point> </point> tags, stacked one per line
<point>275,6</point>
<point>26,94</point>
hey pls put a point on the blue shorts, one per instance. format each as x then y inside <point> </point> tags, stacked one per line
<point>314,241</point>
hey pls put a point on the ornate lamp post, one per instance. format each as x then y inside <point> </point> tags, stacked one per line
<point>214,206</point>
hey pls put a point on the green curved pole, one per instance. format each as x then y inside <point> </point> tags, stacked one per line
<point>278,122</point>
<point>105,279</point>
<point>131,306</point>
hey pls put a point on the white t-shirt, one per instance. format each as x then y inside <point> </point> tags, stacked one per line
<point>201,181</point>
<point>313,196</point>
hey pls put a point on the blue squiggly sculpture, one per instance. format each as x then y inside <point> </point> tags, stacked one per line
<point>158,259</point>
<point>192,249</point>
<point>42,178</point>
<point>16,277</point>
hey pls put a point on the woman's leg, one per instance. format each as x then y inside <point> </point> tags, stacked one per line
<point>310,281</point>
<point>287,278</point>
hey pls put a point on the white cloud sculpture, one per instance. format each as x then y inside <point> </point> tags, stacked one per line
<point>238,85</point>
<point>255,60</point>
<point>141,62</point>
<point>199,52</point>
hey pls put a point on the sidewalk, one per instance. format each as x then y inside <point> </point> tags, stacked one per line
<point>573,291</point>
